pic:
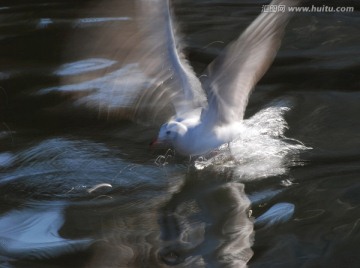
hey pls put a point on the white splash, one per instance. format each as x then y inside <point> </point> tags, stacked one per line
<point>262,150</point>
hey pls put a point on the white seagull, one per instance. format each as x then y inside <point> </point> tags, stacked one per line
<point>210,113</point>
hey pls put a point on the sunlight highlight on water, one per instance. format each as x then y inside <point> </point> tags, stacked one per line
<point>83,66</point>
<point>33,233</point>
<point>278,213</point>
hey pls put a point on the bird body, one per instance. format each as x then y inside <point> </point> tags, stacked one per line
<point>191,137</point>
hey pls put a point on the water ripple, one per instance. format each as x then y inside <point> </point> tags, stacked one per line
<point>33,234</point>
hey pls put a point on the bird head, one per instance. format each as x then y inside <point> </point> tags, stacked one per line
<point>169,133</point>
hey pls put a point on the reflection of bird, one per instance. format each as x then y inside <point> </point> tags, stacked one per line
<point>198,128</point>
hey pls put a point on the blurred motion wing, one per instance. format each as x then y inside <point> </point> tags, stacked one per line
<point>126,63</point>
<point>161,58</point>
<point>231,77</point>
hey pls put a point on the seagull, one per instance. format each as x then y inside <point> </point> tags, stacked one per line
<point>209,113</point>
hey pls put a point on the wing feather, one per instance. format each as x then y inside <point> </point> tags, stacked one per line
<point>161,58</point>
<point>231,77</point>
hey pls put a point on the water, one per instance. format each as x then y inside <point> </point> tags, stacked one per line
<point>80,188</point>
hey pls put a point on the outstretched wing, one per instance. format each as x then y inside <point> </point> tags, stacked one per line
<point>161,58</point>
<point>231,77</point>
<point>129,63</point>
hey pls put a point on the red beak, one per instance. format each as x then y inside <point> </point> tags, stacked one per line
<point>153,143</point>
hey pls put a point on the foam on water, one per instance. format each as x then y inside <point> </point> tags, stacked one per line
<point>261,150</point>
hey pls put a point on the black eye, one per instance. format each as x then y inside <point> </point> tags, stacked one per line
<point>168,132</point>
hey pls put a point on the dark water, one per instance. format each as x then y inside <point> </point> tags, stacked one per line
<point>79,187</point>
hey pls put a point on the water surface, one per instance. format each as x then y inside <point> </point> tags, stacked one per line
<point>80,188</point>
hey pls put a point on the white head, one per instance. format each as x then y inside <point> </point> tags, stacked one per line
<point>170,133</point>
